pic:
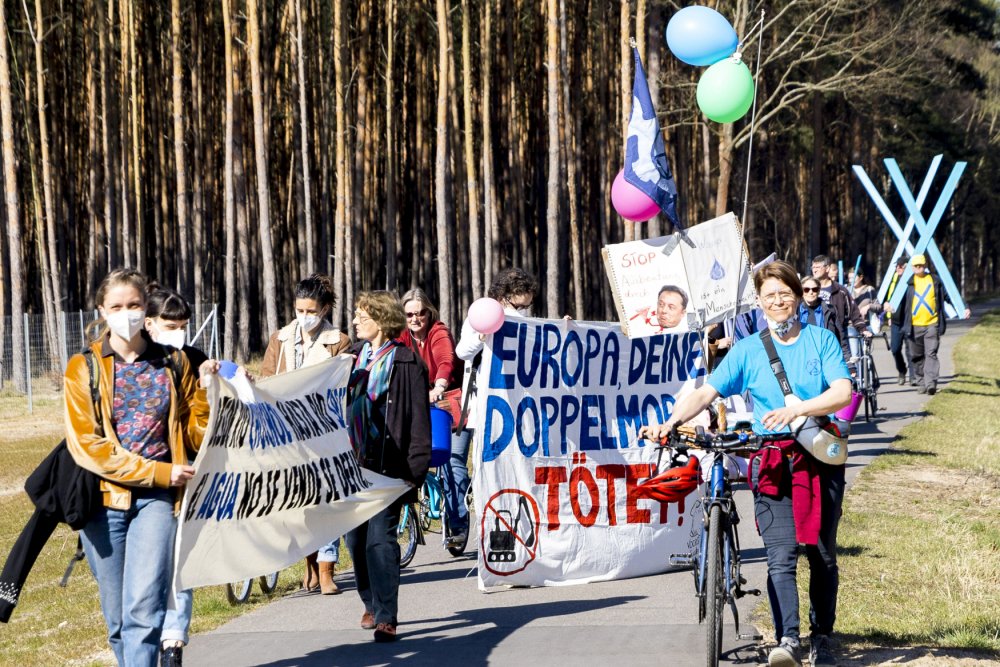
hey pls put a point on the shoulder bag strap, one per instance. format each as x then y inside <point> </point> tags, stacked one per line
<point>95,389</point>
<point>776,367</point>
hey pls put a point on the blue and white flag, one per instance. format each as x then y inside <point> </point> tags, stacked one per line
<point>646,165</point>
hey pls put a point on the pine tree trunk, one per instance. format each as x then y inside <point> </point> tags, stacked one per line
<point>135,111</point>
<point>553,280</point>
<point>198,241</point>
<point>492,233</point>
<point>626,95</point>
<point>475,227</point>
<point>304,123</point>
<point>391,253</point>
<point>569,124</point>
<point>180,163</point>
<point>95,229</point>
<point>269,287</point>
<point>13,210</point>
<point>440,170</point>
<point>230,324</point>
<point>108,165</point>
<point>341,266</point>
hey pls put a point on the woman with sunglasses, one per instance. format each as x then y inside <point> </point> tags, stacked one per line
<point>817,374</point>
<point>431,339</point>
<point>813,310</point>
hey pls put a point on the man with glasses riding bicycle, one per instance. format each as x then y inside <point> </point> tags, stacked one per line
<point>808,511</point>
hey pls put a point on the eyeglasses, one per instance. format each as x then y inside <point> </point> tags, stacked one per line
<point>774,297</point>
<point>362,318</point>
<point>419,313</point>
<point>919,266</point>
<point>810,289</point>
<point>520,306</point>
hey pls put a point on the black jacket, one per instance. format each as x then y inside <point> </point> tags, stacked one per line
<point>63,492</point>
<point>906,307</point>
<point>404,451</point>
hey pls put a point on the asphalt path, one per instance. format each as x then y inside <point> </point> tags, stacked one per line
<point>445,620</point>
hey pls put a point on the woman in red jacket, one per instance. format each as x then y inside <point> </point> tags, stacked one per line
<point>430,338</point>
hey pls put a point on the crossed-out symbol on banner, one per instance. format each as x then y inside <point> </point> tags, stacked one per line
<point>925,227</point>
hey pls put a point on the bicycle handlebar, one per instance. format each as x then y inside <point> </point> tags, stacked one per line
<point>741,440</point>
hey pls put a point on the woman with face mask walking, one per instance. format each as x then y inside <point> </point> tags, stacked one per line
<point>149,418</point>
<point>167,317</point>
<point>310,339</point>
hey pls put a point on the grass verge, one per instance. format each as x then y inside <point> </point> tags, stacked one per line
<point>920,534</point>
<point>919,542</point>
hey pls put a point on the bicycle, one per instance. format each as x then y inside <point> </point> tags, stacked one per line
<point>716,565</point>
<point>432,507</point>
<point>867,381</point>
<point>239,592</point>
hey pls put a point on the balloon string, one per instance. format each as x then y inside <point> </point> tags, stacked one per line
<point>746,187</point>
<point>746,39</point>
<point>753,120</point>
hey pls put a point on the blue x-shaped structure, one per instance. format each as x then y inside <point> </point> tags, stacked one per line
<point>925,228</point>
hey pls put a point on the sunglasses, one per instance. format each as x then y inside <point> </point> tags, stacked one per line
<point>810,289</point>
<point>419,313</point>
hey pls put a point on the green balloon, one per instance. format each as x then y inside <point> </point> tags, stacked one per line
<point>725,91</point>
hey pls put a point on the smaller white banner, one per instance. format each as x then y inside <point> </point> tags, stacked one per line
<point>276,477</point>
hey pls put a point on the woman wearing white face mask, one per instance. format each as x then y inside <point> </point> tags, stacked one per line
<point>309,339</point>
<point>167,317</point>
<point>150,416</point>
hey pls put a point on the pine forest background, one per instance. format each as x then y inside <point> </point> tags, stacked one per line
<point>230,147</point>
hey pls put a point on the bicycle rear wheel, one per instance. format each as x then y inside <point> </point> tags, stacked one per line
<point>238,592</point>
<point>406,534</point>
<point>714,588</point>
<point>268,583</point>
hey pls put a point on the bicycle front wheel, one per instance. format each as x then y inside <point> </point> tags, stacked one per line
<point>406,534</point>
<point>714,588</point>
<point>238,592</point>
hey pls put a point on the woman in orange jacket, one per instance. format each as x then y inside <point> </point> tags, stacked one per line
<point>150,418</point>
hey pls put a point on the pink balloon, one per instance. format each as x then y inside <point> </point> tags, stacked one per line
<point>486,315</point>
<point>631,202</point>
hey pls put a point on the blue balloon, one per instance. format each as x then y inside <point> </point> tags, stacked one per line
<point>701,36</point>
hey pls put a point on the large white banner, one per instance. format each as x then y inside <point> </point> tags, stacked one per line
<point>276,477</point>
<point>560,404</point>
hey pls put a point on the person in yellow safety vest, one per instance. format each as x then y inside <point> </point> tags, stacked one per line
<point>924,323</point>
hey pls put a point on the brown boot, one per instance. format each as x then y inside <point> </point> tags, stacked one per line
<point>327,585</point>
<point>310,580</point>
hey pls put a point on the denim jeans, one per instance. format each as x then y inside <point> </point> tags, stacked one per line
<point>329,553</point>
<point>375,550</point>
<point>776,525</point>
<point>131,555</point>
<point>178,620</point>
<point>454,477</point>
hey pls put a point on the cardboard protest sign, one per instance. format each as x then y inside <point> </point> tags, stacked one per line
<point>560,404</point>
<point>276,477</point>
<point>685,281</point>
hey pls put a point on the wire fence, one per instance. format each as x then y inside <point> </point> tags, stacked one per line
<point>31,373</point>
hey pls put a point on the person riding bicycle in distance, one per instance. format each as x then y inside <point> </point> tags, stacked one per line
<point>814,364</point>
